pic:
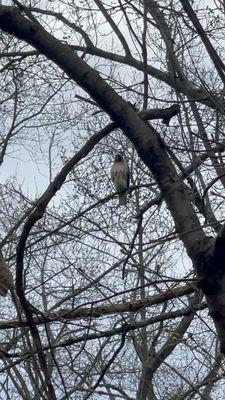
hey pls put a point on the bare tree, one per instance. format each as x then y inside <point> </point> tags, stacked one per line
<point>113,302</point>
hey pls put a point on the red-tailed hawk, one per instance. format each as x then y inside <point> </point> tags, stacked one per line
<point>120,177</point>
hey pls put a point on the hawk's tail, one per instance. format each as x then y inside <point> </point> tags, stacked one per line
<point>123,199</point>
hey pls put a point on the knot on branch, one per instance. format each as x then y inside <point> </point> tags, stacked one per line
<point>160,113</point>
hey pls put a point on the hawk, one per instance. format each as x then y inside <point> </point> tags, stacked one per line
<point>120,176</point>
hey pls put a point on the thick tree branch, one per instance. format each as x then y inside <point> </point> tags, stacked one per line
<point>116,331</point>
<point>103,310</point>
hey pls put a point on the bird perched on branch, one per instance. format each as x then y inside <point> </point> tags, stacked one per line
<point>120,176</point>
<point>6,279</point>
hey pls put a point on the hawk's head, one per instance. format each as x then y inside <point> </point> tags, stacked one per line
<point>118,157</point>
